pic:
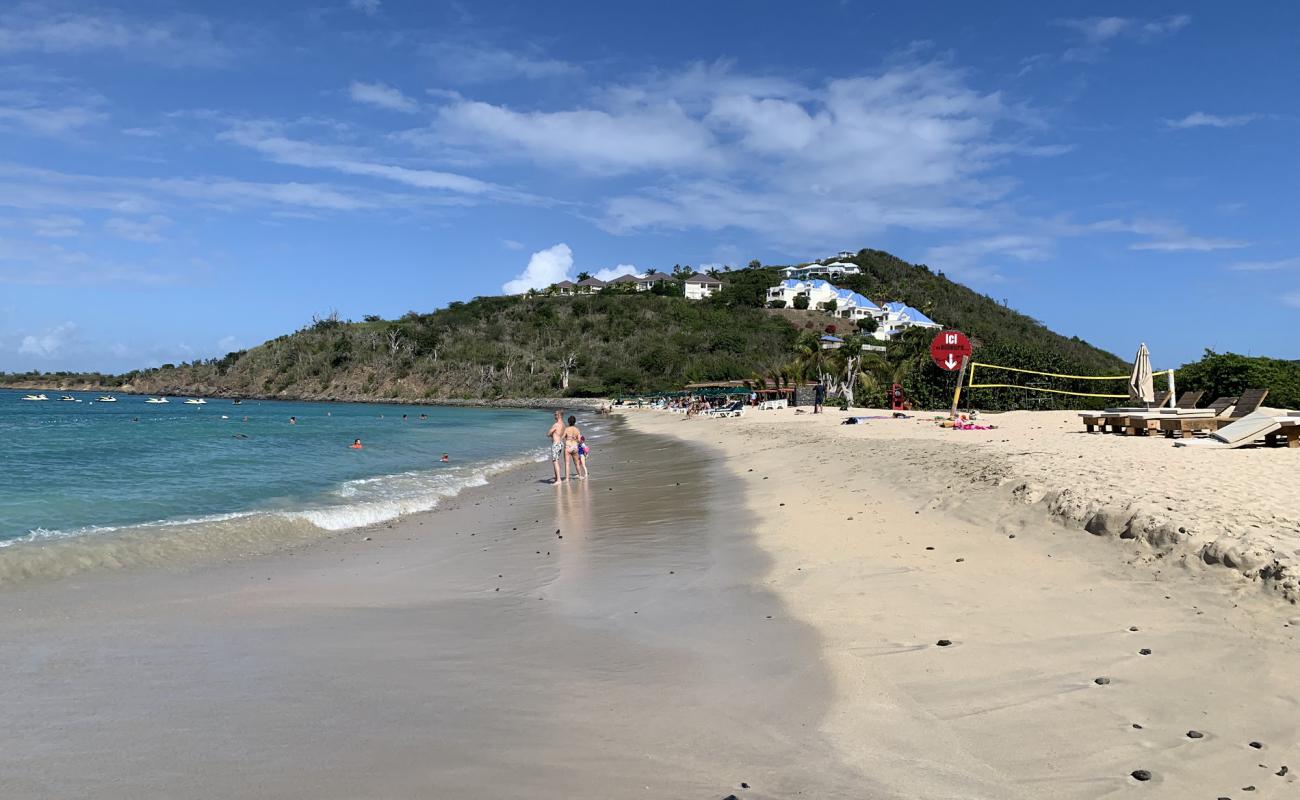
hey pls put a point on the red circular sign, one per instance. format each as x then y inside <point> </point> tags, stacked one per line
<point>949,348</point>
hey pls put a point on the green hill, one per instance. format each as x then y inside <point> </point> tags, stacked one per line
<point>614,342</point>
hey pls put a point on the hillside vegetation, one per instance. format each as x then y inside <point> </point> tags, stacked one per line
<point>615,342</point>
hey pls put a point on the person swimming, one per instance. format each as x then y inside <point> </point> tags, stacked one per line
<point>293,420</point>
<point>356,444</point>
<point>445,458</point>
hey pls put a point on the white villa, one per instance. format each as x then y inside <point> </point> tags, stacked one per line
<point>898,317</point>
<point>700,286</point>
<point>831,270</point>
<point>818,292</point>
<point>890,318</point>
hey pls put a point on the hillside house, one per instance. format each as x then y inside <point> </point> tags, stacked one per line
<point>700,286</point>
<point>832,270</point>
<point>899,317</point>
<point>590,286</point>
<point>565,288</point>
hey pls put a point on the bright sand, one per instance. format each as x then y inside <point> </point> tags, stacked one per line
<point>891,535</point>
<point>689,632</point>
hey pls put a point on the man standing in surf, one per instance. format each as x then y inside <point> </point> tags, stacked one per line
<point>557,443</point>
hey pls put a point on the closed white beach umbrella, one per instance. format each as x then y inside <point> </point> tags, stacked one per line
<point>1140,388</point>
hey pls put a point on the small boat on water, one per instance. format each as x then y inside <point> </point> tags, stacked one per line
<point>196,402</point>
<point>106,398</point>
<point>157,400</point>
<point>67,398</point>
<point>34,397</point>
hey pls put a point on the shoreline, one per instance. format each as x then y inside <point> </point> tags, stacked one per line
<point>597,638</point>
<point>984,648</point>
<point>584,403</point>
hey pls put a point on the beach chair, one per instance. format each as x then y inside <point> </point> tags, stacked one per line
<point>1246,431</point>
<point>1248,403</point>
<point>1288,432</point>
<point>1100,420</point>
<point>1143,422</point>
<point>1178,427</point>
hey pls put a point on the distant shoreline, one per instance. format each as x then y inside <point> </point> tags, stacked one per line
<point>588,403</point>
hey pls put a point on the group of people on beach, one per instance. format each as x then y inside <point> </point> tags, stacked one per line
<point>567,445</point>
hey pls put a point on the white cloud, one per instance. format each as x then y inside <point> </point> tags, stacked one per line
<point>610,273</point>
<point>148,230</point>
<point>178,39</point>
<point>33,263</point>
<point>49,343</point>
<point>1200,119</point>
<point>511,244</point>
<point>803,165</point>
<point>545,267</point>
<point>478,62</point>
<point>592,140</point>
<point>1199,244</point>
<point>49,121</point>
<point>1266,266</point>
<point>368,7</point>
<point>1097,33</point>
<point>382,96</point>
<point>1166,237</point>
<point>969,258</point>
<point>57,226</point>
<point>268,141</point>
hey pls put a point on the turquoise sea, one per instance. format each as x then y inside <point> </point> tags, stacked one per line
<point>95,469</point>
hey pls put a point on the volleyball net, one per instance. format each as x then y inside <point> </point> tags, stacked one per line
<point>1055,382</point>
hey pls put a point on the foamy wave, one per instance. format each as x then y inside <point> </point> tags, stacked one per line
<point>46,553</point>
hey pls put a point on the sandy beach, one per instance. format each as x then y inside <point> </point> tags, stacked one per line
<point>767,607</point>
<point>1072,660</point>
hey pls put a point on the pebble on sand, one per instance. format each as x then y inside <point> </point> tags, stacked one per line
<point>1282,772</point>
<point>1133,629</point>
<point>1195,735</point>
<point>1102,681</point>
<point>1141,775</point>
<point>944,642</point>
<point>1257,745</point>
<point>1146,651</point>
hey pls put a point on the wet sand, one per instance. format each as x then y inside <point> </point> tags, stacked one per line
<point>471,652</point>
<point>982,647</point>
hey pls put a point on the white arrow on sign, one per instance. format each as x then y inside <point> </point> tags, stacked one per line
<point>949,363</point>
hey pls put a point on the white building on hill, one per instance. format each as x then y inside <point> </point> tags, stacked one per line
<point>899,317</point>
<point>890,318</point>
<point>832,270</point>
<point>700,286</point>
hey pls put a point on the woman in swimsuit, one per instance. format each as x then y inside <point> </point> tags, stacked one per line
<point>572,436</point>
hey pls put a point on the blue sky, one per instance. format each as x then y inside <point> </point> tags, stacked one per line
<point>180,180</point>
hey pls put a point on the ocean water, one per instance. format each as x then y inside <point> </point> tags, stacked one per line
<point>139,476</point>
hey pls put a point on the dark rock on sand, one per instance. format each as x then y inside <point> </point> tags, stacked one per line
<point>744,785</point>
<point>1195,735</point>
<point>1282,772</point>
<point>1102,681</point>
<point>1141,775</point>
<point>1257,745</point>
<point>1146,651</point>
<point>1133,629</point>
<point>944,642</point>
<point>1137,726</point>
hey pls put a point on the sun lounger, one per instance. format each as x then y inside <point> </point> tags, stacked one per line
<point>1246,431</point>
<point>1101,420</point>
<point>1288,432</point>
<point>1142,422</point>
<point>1248,403</point>
<point>1178,427</point>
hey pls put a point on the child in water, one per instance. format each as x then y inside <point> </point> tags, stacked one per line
<point>356,444</point>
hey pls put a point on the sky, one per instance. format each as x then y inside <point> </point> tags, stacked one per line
<point>182,180</point>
